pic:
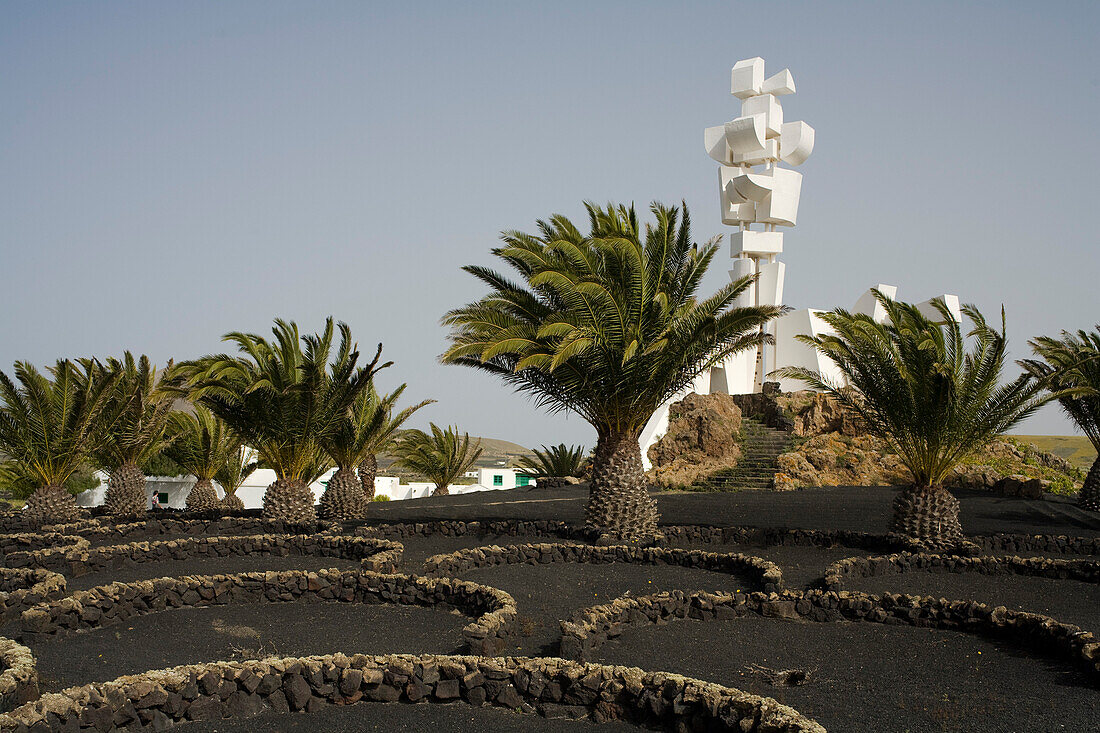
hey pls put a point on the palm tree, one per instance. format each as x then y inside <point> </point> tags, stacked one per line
<point>1070,368</point>
<point>49,426</point>
<point>361,433</point>
<point>934,403</point>
<point>233,473</point>
<point>137,432</point>
<point>203,446</point>
<point>284,397</point>
<point>608,325</point>
<point>441,456</point>
<point>556,461</point>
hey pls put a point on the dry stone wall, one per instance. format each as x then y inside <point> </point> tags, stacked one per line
<point>1087,571</point>
<point>20,589</point>
<point>547,687</point>
<point>376,554</point>
<point>495,610</point>
<point>766,574</point>
<point>18,675</point>
<point>590,629</point>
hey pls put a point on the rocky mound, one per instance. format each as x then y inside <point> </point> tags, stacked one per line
<point>702,438</point>
<point>1005,465</point>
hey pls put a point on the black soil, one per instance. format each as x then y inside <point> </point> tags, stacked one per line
<point>405,717</point>
<point>230,564</point>
<point>1066,600</point>
<point>802,565</point>
<point>546,594</point>
<point>844,507</point>
<point>872,677</point>
<point>187,636</point>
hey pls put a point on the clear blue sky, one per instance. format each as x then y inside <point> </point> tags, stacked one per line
<point>171,171</point>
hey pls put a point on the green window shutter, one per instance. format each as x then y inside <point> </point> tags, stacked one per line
<point>498,480</point>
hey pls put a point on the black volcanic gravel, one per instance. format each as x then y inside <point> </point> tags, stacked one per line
<point>208,566</point>
<point>405,717</point>
<point>865,509</point>
<point>1066,600</point>
<point>873,677</point>
<point>190,635</point>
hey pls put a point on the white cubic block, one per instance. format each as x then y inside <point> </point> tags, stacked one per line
<point>929,311</point>
<point>735,210</point>
<point>780,206</point>
<point>770,285</point>
<point>779,84</point>
<point>747,77</point>
<point>743,266</point>
<point>770,152</point>
<point>755,243</point>
<point>868,305</point>
<point>753,186</point>
<point>714,138</point>
<point>767,105</point>
<point>796,142</point>
<point>746,134</point>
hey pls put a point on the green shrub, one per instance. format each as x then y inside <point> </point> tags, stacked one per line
<point>380,497</point>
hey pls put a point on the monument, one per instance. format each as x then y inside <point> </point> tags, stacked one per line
<point>759,196</point>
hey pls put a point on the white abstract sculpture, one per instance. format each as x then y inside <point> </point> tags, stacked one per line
<point>753,190</point>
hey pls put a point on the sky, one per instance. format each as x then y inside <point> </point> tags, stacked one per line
<point>173,171</point>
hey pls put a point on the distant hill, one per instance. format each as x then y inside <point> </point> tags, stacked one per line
<point>1077,449</point>
<point>493,451</point>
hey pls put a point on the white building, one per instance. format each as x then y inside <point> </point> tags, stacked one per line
<point>172,491</point>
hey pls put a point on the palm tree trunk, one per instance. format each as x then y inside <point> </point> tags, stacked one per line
<point>51,505</point>
<point>343,498</point>
<point>1089,498</point>
<point>442,490</point>
<point>619,504</point>
<point>203,498</point>
<point>126,491</point>
<point>232,502</point>
<point>368,470</point>
<point>291,501</point>
<point>928,518</point>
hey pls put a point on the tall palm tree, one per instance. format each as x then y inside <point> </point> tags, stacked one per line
<point>441,456</point>
<point>933,402</point>
<point>233,473</point>
<point>49,426</point>
<point>141,407</point>
<point>608,325</point>
<point>283,398</point>
<point>555,461</point>
<point>1070,368</point>
<point>203,445</point>
<point>364,430</point>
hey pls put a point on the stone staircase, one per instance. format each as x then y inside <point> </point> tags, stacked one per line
<point>760,449</point>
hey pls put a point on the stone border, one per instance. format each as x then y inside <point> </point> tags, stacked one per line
<point>20,589</point>
<point>118,602</point>
<point>764,572</point>
<point>548,687</point>
<point>34,541</point>
<point>156,526</point>
<point>1086,571</point>
<point>1060,543</point>
<point>774,536</point>
<point>376,555</point>
<point>458,528</point>
<point>18,675</point>
<point>588,630</point>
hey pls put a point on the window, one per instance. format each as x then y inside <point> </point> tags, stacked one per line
<point>162,497</point>
<point>523,480</point>
<point>498,480</point>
